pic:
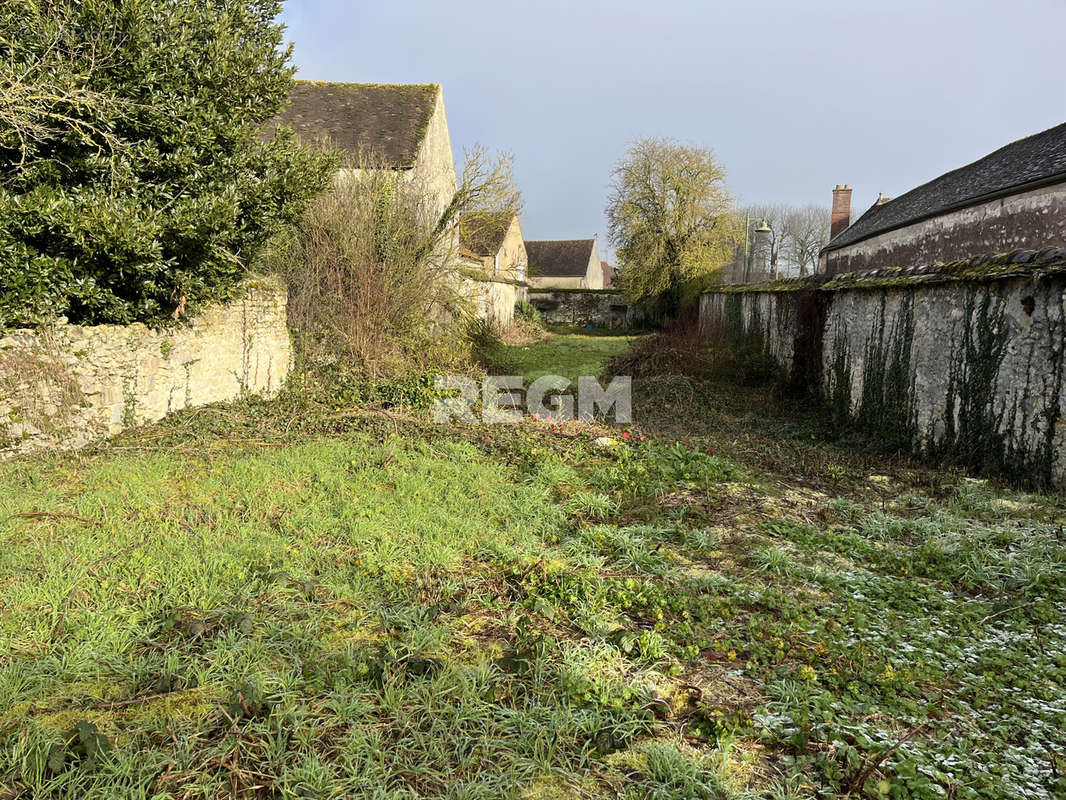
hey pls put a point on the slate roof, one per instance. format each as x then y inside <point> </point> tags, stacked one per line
<point>382,121</point>
<point>482,232</point>
<point>568,258</point>
<point>1037,159</point>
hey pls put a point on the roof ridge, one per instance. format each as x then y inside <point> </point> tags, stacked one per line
<point>1000,177</point>
<point>973,163</point>
<point>367,84</point>
<point>562,240</point>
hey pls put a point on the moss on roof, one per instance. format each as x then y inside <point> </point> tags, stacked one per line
<point>483,232</point>
<point>995,267</point>
<point>384,122</point>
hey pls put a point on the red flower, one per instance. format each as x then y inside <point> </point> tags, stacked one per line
<point>625,435</point>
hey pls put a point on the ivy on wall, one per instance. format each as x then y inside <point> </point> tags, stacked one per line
<point>982,432</point>
<point>1000,370</point>
<point>887,403</point>
<point>978,429</point>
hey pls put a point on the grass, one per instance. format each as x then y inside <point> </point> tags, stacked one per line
<point>287,599</point>
<point>571,353</point>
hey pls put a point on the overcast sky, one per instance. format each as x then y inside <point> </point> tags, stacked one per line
<point>792,96</point>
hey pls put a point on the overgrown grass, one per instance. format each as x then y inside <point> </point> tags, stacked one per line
<point>292,599</point>
<point>569,353</point>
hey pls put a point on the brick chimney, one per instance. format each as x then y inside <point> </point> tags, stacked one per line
<point>841,210</point>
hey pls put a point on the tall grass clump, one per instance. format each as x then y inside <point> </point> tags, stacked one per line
<point>373,269</point>
<point>684,348</point>
<point>526,311</point>
<point>366,269</point>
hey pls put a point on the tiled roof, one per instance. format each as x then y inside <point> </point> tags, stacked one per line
<point>484,232</point>
<point>1036,159</point>
<point>568,258</point>
<point>384,122</point>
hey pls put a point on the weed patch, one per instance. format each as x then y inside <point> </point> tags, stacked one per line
<point>312,597</point>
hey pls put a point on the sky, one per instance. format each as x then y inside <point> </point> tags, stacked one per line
<point>793,96</point>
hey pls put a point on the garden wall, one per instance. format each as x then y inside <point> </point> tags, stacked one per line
<point>769,317</point>
<point>600,307</point>
<point>494,300</point>
<point>64,386</point>
<point>961,362</point>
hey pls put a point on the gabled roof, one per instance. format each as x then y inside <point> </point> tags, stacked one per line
<point>385,122</point>
<point>483,232</point>
<point>1026,163</point>
<point>568,258</point>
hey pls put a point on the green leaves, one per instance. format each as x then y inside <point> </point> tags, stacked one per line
<point>82,745</point>
<point>132,179</point>
<point>669,216</point>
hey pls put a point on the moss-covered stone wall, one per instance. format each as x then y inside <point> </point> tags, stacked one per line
<point>64,386</point>
<point>961,363</point>
<point>769,318</point>
<point>599,307</point>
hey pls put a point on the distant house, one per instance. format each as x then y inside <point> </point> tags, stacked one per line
<point>571,263</point>
<point>493,242</point>
<point>1014,198</point>
<point>390,126</point>
<point>608,275</point>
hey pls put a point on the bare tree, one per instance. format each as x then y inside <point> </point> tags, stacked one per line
<point>373,268</point>
<point>808,233</point>
<point>797,234</point>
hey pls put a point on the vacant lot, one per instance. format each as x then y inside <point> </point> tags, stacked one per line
<point>572,353</point>
<point>296,600</point>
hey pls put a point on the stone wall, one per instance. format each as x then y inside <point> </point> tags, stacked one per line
<point>434,168</point>
<point>962,362</point>
<point>494,300</point>
<point>1004,223</point>
<point>769,317</point>
<point>602,308</point>
<point>64,386</point>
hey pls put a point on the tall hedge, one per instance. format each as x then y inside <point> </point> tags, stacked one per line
<point>133,182</point>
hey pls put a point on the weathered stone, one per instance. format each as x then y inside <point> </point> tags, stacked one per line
<point>968,370</point>
<point>604,309</point>
<point>70,384</point>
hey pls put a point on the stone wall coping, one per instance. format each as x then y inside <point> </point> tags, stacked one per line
<point>252,286</point>
<point>571,290</point>
<point>983,268</point>
<point>481,277</point>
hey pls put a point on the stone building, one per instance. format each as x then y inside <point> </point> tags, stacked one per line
<point>391,126</point>
<point>608,275</point>
<point>571,264</point>
<point>493,242</point>
<point>1014,198</point>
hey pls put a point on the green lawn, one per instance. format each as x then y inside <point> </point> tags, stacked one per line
<point>289,600</point>
<point>570,354</point>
